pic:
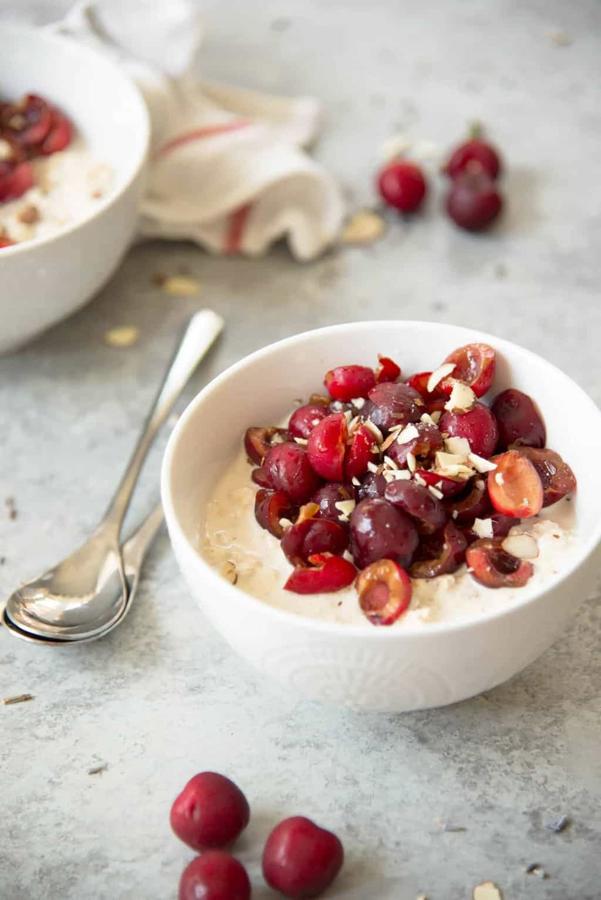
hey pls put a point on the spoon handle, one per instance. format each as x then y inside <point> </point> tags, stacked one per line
<point>202,331</point>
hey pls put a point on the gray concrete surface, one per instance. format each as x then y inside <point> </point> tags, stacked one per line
<point>163,697</point>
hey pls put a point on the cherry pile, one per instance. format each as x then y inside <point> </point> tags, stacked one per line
<point>300,859</point>
<point>29,128</point>
<point>405,479</point>
<point>473,201</point>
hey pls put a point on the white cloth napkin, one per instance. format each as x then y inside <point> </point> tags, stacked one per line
<point>227,165</point>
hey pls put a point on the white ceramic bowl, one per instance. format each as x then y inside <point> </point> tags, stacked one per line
<point>44,280</point>
<point>364,666</point>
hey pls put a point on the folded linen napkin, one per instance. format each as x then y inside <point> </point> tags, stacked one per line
<point>227,168</point>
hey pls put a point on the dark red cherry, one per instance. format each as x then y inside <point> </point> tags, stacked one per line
<point>518,419</point>
<point>380,531</point>
<point>287,468</point>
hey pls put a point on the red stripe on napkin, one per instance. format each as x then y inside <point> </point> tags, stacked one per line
<point>198,134</point>
<point>235,229</point>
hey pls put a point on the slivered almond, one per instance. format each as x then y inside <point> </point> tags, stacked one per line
<point>435,492</point>
<point>483,528</point>
<point>390,463</point>
<point>458,445</point>
<point>409,433</point>
<point>308,511</point>
<point>374,430</point>
<point>345,507</point>
<point>438,374</point>
<point>462,397</point>
<point>480,464</point>
<point>411,462</point>
<point>364,227</point>
<point>522,546</point>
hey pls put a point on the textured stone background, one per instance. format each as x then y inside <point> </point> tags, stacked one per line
<point>163,697</point>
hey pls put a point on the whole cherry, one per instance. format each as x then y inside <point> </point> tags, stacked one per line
<point>211,811</point>
<point>402,185</point>
<point>301,859</point>
<point>214,876</point>
<point>475,151</point>
<point>473,201</point>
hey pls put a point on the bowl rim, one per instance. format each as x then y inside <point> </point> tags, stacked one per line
<point>177,534</point>
<point>55,37</point>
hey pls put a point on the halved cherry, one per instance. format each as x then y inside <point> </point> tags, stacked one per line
<point>419,382</point>
<point>304,419</point>
<point>259,440</point>
<point>15,180</point>
<point>359,452</point>
<point>444,553</point>
<point>474,504</point>
<point>475,365</point>
<point>515,487</point>
<point>387,369</point>
<point>327,447</point>
<point>59,136</point>
<point>384,590</point>
<point>270,507</point>
<point>313,536</point>
<point>494,567</point>
<point>447,486</point>
<point>347,382</point>
<point>556,476</point>
<point>326,575</point>
<point>428,440</point>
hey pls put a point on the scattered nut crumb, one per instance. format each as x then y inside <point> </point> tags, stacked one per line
<point>364,227</point>
<point>98,770</point>
<point>451,827</point>
<point>159,278</point>
<point>229,571</point>
<point>560,824</point>
<point>180,286</point>
<point>559,38</point>
<point>29,215</point>
<point>11,509</point>
<point>20,698</point>
<point>487,891</point>
<point>97,194</point>
<point>124,336</point>
<point>536,869</point>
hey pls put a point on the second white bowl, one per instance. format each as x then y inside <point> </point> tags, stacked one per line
<point>44,280</point>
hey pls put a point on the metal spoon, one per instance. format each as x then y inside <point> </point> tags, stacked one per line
<point>86,592</point>
<point>133,553</point>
